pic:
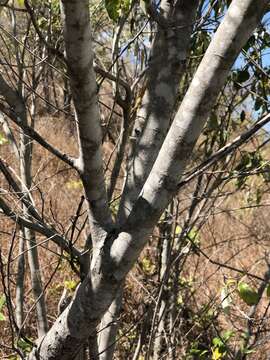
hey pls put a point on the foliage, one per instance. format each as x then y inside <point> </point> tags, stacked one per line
<point>2,304</point>
<point>24,345</point>
<point>220,347</point>
<point>203,237</point>
<point>247,294</point>
<point>116,8</point>
<point>3,139</point>
<point>70,284</point>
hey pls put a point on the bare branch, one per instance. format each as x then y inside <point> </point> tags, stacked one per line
<point>226,150</point>
<point>41,229</point>
<point>29,131</point>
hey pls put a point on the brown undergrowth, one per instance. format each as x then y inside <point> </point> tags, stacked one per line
<point>231,245</point>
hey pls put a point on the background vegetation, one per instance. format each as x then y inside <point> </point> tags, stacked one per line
<point>200,289</point>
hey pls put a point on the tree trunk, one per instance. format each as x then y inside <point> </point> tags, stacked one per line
<point>119,250</point>
<point>109,327</point>
<point>168,57</point>
<point>31,244</point>
<point>19,312</point>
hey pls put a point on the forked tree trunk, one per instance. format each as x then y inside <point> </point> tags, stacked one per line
<point>116,253</point>
<point>168,58</point>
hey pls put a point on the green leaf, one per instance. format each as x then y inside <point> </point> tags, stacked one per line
<point>247,294</point>
<point>114,206</point>
<point>250,43</point>
<point>249,161</point>
<point>112,7</point>
<point>247,351</point>
<point>2,304</point>
<point>20,3</point>
<point>213,122</point>
<point>147,266</point>
<point>2,301</point>
<point>70,284</point>
<point>13,357</point>
<point>227,335</point>
<point>3,140</point>
<point>178,230</point>
<point>218,342</point>
<point>115,8</point>
<point>193,234</point>
<point>162,218</point>
<point>25,346</point>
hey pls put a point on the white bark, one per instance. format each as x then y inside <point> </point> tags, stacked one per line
<point>19,312</point>
<point>78,41</point>
<point>235,29</point>
<point>168,57</point>
<point>166,67</point>
<point>79,53</point>
<point>32,254</point>
<point>109,327</point>
<point>117,256</point>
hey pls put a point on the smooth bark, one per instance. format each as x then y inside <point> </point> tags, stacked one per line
<point>19,312</point>
<point>120,251</point>
<point>79,54</point>
<point>162,183</point>
<point>109,327</point>
<point>166,66</point>
<point>30,238</point>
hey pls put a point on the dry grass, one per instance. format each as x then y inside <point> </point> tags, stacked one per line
<point>238,238</point>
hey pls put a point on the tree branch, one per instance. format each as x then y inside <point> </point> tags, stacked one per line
<point>17,113</point>
<point>29,131</point>
<point>41,229</point>
<point>238,24</point>
<point>79,54</point>
<point>165,69</point>
<point>225,150</point>
<point>120,251</point>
